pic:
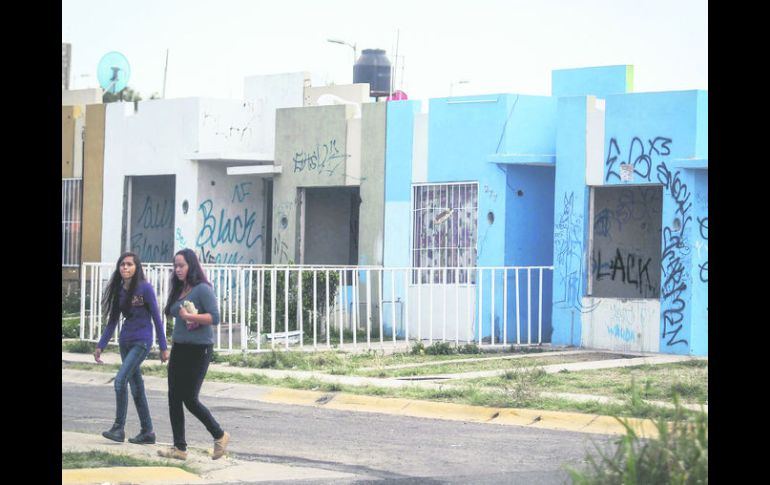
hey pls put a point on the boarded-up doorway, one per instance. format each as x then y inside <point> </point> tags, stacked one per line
<point>148,217</point>
<point>329,225</point>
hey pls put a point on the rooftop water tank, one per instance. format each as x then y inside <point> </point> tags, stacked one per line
<point>373,67</point>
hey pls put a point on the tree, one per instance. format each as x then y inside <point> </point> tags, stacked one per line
<point>126,94</point>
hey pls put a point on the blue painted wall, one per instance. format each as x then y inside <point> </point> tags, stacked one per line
<point>700,261</point>
<point>597,81</point>
<point>529,242</point>
<point>398,185</point>
<point>570,222</point>
<point>463,133</point>
<point>654,133</point>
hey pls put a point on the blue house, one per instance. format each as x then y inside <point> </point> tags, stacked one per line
<point>588,208</point>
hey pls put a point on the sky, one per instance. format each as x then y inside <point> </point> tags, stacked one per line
<point>463,47</point>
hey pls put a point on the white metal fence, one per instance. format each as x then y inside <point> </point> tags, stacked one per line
<point>311,307</point>
<point>71,213</point>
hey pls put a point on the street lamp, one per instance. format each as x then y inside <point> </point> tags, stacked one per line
<point>452,85</point>
<point>352,46</point>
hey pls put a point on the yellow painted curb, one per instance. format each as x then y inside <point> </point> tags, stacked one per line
<point>556,420</point>
<point>292,396</point>
<point>131,474</point>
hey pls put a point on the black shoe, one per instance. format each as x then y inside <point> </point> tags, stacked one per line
<point>143,438</point>
<point>115,433</point>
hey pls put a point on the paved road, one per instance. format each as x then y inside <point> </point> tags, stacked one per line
<point>377,448</point>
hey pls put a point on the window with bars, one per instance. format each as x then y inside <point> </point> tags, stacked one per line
<point>444,232</point>
<point>71,210</point>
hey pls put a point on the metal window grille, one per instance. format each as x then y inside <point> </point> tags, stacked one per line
<point>444,232</point>
<point>71,210</point>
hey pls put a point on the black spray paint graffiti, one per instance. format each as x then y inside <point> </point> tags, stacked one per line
<point>149,252</point>
<point>704,234</point>
<point>673,260</point>
<point>325,158</point>
<point>637,157</point>
<point>639,206</point>
<point>632,270</point>
<point>568,241</point>
<point>156,216</point>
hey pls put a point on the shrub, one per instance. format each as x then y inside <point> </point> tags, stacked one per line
<point>307,301</point>
<point>679,455</point>
<point>70,327</point>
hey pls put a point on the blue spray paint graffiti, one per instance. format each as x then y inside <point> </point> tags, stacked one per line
<point>568,241</point>
<point>625,334</point>
<point>219,230</point>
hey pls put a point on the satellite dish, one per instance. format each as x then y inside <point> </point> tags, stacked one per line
<point>113,72</point>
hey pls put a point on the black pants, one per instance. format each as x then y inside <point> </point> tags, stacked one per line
<point>187,368</point>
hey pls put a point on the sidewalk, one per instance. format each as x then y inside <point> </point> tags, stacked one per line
<point>436,382</point>
<point>226,469</point>
<point>231,469</point>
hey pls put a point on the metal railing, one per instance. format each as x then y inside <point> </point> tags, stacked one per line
<point>311,307</point>
<point>71,214</point>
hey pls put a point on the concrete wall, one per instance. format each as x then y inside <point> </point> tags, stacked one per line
<point>267,93</point>
<point>160,138</point>
<point>372,209</point>
<point>311,147</point>
<point>77,97</point>
<point>93,183</point>
<point>151,218</point>
<point>352,93</point>
<point>230,216</point>
<point>155,140</point>
<point>625,250</point>
<point>68,116</point>
<point>621,325</point>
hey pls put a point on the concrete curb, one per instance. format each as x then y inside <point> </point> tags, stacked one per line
<point>555,420</point>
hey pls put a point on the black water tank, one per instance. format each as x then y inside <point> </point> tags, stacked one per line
<point>373,67</point>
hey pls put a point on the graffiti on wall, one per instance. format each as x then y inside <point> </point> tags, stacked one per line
<point>324,159</point>
<point>626,268</point>
<point>626,233</point>
<point>568,243</point>
<point>703,226</point>
<point>223,237</point>
<point>156,216</point>
<point>647,160</point>
<point>638,157</point>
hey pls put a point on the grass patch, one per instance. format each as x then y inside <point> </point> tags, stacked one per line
<point>475,366</point>
<point>688,380</point>
<point>679,454</point>
<point>99,459</point>
<point>520,391</point>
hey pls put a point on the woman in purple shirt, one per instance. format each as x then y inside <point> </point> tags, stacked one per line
<point>128,293</point>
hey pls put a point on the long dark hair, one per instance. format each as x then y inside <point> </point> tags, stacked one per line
<point>195,275</point>
<point>111,300</point>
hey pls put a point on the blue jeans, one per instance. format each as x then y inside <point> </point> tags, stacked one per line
<point>130,373</point>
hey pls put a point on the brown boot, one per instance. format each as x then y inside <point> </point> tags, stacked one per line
<point>173,452</point>
<point>220,446</point>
